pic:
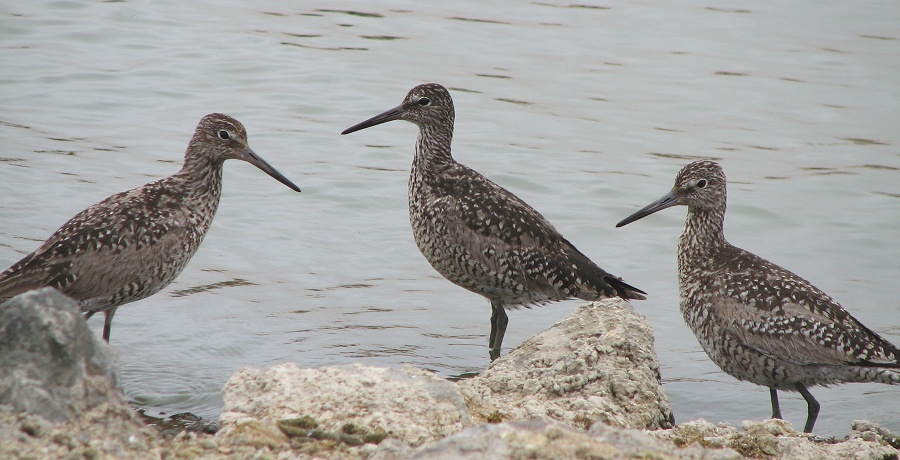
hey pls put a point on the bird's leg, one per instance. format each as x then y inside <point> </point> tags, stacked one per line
<point>499,320</point>
<point>107,322</point>
<point>813,405</point>
<point>776,409</point>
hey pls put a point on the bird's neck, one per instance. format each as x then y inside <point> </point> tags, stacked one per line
<point>433,150</point>
<point>703,238</point>
<point>203,177</point>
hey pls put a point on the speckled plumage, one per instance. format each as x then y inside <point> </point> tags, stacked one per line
<point>134,243</point>
<point>478,234</point>
<point>757,321</point>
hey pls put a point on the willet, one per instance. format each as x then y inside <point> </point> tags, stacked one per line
<point>133,244</point>
<point>479,235</point>
<point>757,321</point>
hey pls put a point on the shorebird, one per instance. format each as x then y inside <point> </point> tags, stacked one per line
<point>133,244</point>
<point>479,235</point>
<point>757,321</point>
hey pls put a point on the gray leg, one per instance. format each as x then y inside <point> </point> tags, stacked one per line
<point>776,409</point>
<point>499,320</point>
<point>813,405</point>
<point>107,322</point>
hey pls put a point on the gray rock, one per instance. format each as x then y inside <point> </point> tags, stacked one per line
<point>597,365</point>
<point>867,441</point>
<point>411,405</point>
<point>339,413</point>
<point>778,439</point>
<point>552,440</point>
<point>642,444</point>
<point>391,449</point>
<point>53,365</point>
<point>524,439</point>
<point>699,440</point>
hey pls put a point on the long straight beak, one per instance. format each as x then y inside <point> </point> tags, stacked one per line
<point>251,157</point>
<point>384,117</point>
<point>667,201</point>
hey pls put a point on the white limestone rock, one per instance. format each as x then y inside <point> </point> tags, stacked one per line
<point>411,405</point>
<point>596,365</point>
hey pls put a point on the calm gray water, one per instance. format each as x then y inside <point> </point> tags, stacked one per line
<point>586,112</point>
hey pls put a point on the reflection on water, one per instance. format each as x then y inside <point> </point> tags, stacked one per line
<point>586,112</point>
<point>210,287</point>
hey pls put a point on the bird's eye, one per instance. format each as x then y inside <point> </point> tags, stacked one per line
<point>424,101</point>
<point>224,135</point>
<point>701,183</point>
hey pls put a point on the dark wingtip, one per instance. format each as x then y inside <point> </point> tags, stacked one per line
<point>635,296</point>
<point>626,291</point>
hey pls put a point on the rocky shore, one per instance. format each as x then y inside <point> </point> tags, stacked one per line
<point>587,388</point>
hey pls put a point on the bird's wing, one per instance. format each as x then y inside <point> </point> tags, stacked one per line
<point>109,237</point>
<point>788,318</point>
<point>493,223</point>
<point>18,279</point>
<point>51,263</point>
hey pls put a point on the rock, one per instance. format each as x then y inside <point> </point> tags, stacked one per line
<point>869,431</point>
<point>778,439</point>
<point>770,439</point>
<point>699,432</point>
<point>254,433</point>
<point>868,441</point>
<point>391,449</point>
<point>53,365</point>
<point>58,391</point>
<point>107,430</point>
<point>352,405</point>
<point>553,440</point>
<point>597,365</point>
<point>368,413</point>
<point>643,444</point>
<point>524,439</point>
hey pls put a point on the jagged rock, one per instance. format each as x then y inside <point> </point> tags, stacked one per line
<point>597,365</point>
<point>53,365</point>
<point>367,413</point>
<point>345,403</point>
<point>58,392</point>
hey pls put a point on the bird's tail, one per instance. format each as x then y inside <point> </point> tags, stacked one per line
<point>889,375</point>
<point>625,290</point>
